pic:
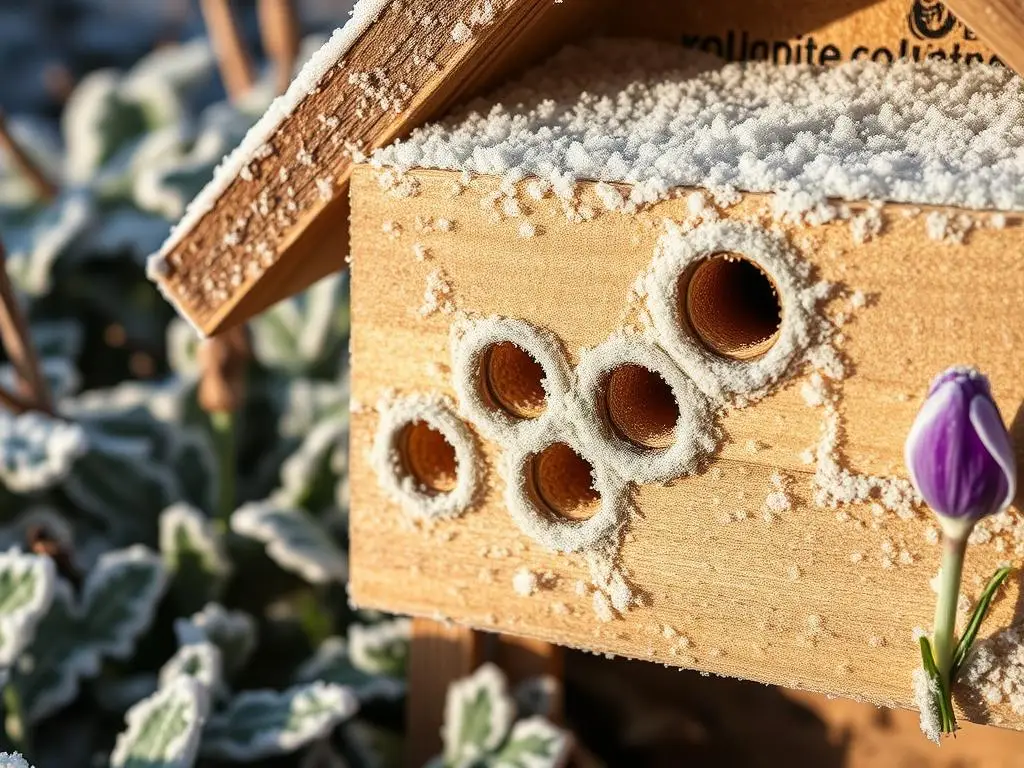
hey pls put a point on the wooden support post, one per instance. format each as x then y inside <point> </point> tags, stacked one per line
<point>524,657</point>
<point>440,654</point>
<point>229,47</point>
<point>279,30</point>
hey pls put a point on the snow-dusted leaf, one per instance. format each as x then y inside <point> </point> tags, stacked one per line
<point>259,724</point>
<point>381,648</point>
<point>60,374</point>
<point>533,743</point>
<point>234,632</point>
<point>164,730</point>
<point>55,235</point>
<point>38,451</point>
<point>26,592</point>
<point>301,334</point>
<point>183,348</point>
<point>117,603</point>
<point>332,664</point>
<point>477,717</point>
<point>309,476</point>
<point>122,484</point>
<point>200,661</point>
<point>13,760</point>
<point>195,466</point>
<point>194,554</point>
<point>294,540</point>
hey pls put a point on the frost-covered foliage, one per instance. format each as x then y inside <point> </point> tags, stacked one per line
<point>485,727</point>
<point>141,623</point>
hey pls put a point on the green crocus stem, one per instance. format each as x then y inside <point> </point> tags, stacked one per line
<point>944,632</point>
<point>223,423</point>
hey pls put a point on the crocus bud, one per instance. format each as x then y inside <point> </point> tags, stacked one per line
<point>959,453</point>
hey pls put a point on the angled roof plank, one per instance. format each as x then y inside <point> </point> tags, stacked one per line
<point>275,217</point>
<point>1000,23</point>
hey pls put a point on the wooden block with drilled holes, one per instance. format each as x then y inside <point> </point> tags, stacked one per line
<point>799,594</point>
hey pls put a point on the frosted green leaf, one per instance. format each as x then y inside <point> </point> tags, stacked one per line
<point>117,603</point>
<point>60,374</point>
<point>233,632</point>
<point>533,743</point>
<point>26,592</point>
<point>162,731</point>
<point>381,648</point>
<point>332,664</point>
<point>304,333</point>
<point>310,475</point>
<point>200,661</point>
<point>260,724</point>
<point>194,554</point>
<point>477,717</point>
<point>182,348</point>
<point>55,235</point>
<point>13,760</point>
<point>97,122</point>
<point>195,466</point>
<point>293,539</point>
<point>38,451</point>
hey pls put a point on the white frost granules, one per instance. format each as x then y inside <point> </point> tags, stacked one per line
<point>659,116</point>
<point>524,582</point>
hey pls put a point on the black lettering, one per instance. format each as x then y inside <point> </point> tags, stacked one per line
<point>690,41</point>
<point>729,46</point>
<point>996,61</point>
<point>743,48</point>
<point>810,49</point>
<point>712,42</point>
<point>937,54</point>
<point>859,52</point>
<point>970,58</point>
<point>828,54</point>
<point>955,55</point>
<point>759,50</point>
<point>882,53</point>
<point>783,48</point>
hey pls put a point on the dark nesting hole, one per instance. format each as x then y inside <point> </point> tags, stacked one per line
<point>641,406</point>
<point>514,381</point>
<point>732,306</point>
<point>563,483</point>
<point>428,457</point>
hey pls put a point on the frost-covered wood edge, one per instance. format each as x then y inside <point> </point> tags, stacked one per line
<point>822,598</point>
<point>274,218</point>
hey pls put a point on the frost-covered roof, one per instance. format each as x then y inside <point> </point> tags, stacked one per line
<point>659,116</point>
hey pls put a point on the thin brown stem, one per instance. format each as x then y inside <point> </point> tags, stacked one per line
<point>279,30</point>
<point>17,341</point>
<point>229,47</point>
<point>40,182</point>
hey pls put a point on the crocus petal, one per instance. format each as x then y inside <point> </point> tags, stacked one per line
<point>988,425</point>
<point>930,434</point>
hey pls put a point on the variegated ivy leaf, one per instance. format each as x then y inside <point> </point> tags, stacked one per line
<point>164,730</point>
<point>234,632</point>
<point>259,724</point>
<point>13,760</point>
<point>305,333</point>
<point>332,664</point>
<point>38,451</point>
<point>117,603</point>
<point>55,235</point>
<point>381,648</point>
<point>294,540</point>
<point>183,348</point>
<point>477,717</point>
<point>533,743</point>
<point>323,755</point>
<point>194,554</point>
<point>310,475</point>
<point>200,661</point>
<point>26,592</point>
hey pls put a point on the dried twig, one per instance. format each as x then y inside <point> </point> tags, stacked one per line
<point>232,56</point>
<point>279,30</point>
<point>18,344</point>
<point>45,188</point>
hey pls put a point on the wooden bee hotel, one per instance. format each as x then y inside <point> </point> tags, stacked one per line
<point>639,332</point>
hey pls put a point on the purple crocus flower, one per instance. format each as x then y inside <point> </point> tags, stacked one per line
<point>959,453</point>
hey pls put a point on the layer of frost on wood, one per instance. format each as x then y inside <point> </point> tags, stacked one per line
<point>658,116</point>
<point>363,15</point>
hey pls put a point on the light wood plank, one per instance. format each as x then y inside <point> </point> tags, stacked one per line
<point>809,601</point>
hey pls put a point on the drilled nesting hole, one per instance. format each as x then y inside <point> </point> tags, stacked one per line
<point>641,406</point>
<point>428,457</point>
<point>732,306</point>
<point>563,482</point>
<point>514,381</point>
